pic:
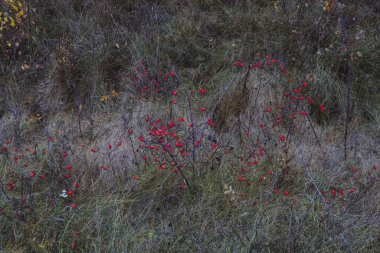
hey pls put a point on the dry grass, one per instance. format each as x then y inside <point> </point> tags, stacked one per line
<point>73,53</point>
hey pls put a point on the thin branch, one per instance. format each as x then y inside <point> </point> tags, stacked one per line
<point>331,218</point>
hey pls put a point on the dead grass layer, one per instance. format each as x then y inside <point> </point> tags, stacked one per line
<point>78,52</point>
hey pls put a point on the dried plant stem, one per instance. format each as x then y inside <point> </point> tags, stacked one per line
<point>330,216</point>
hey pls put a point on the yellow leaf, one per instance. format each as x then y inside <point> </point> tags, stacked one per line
<point>36,117</point>
<point>329,5</point>
<point>25,66</point>
<point>114,94</point>
<point>14,7</point>
<point>12,22</point>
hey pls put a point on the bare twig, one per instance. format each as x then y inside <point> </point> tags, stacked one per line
<point>342,25</point>
<point>331,218</point>
<point>126,121</point>
<point>312,128</point>
<point>192,130</point>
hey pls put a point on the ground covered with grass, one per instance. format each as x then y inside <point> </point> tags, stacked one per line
<point>189,126</point>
